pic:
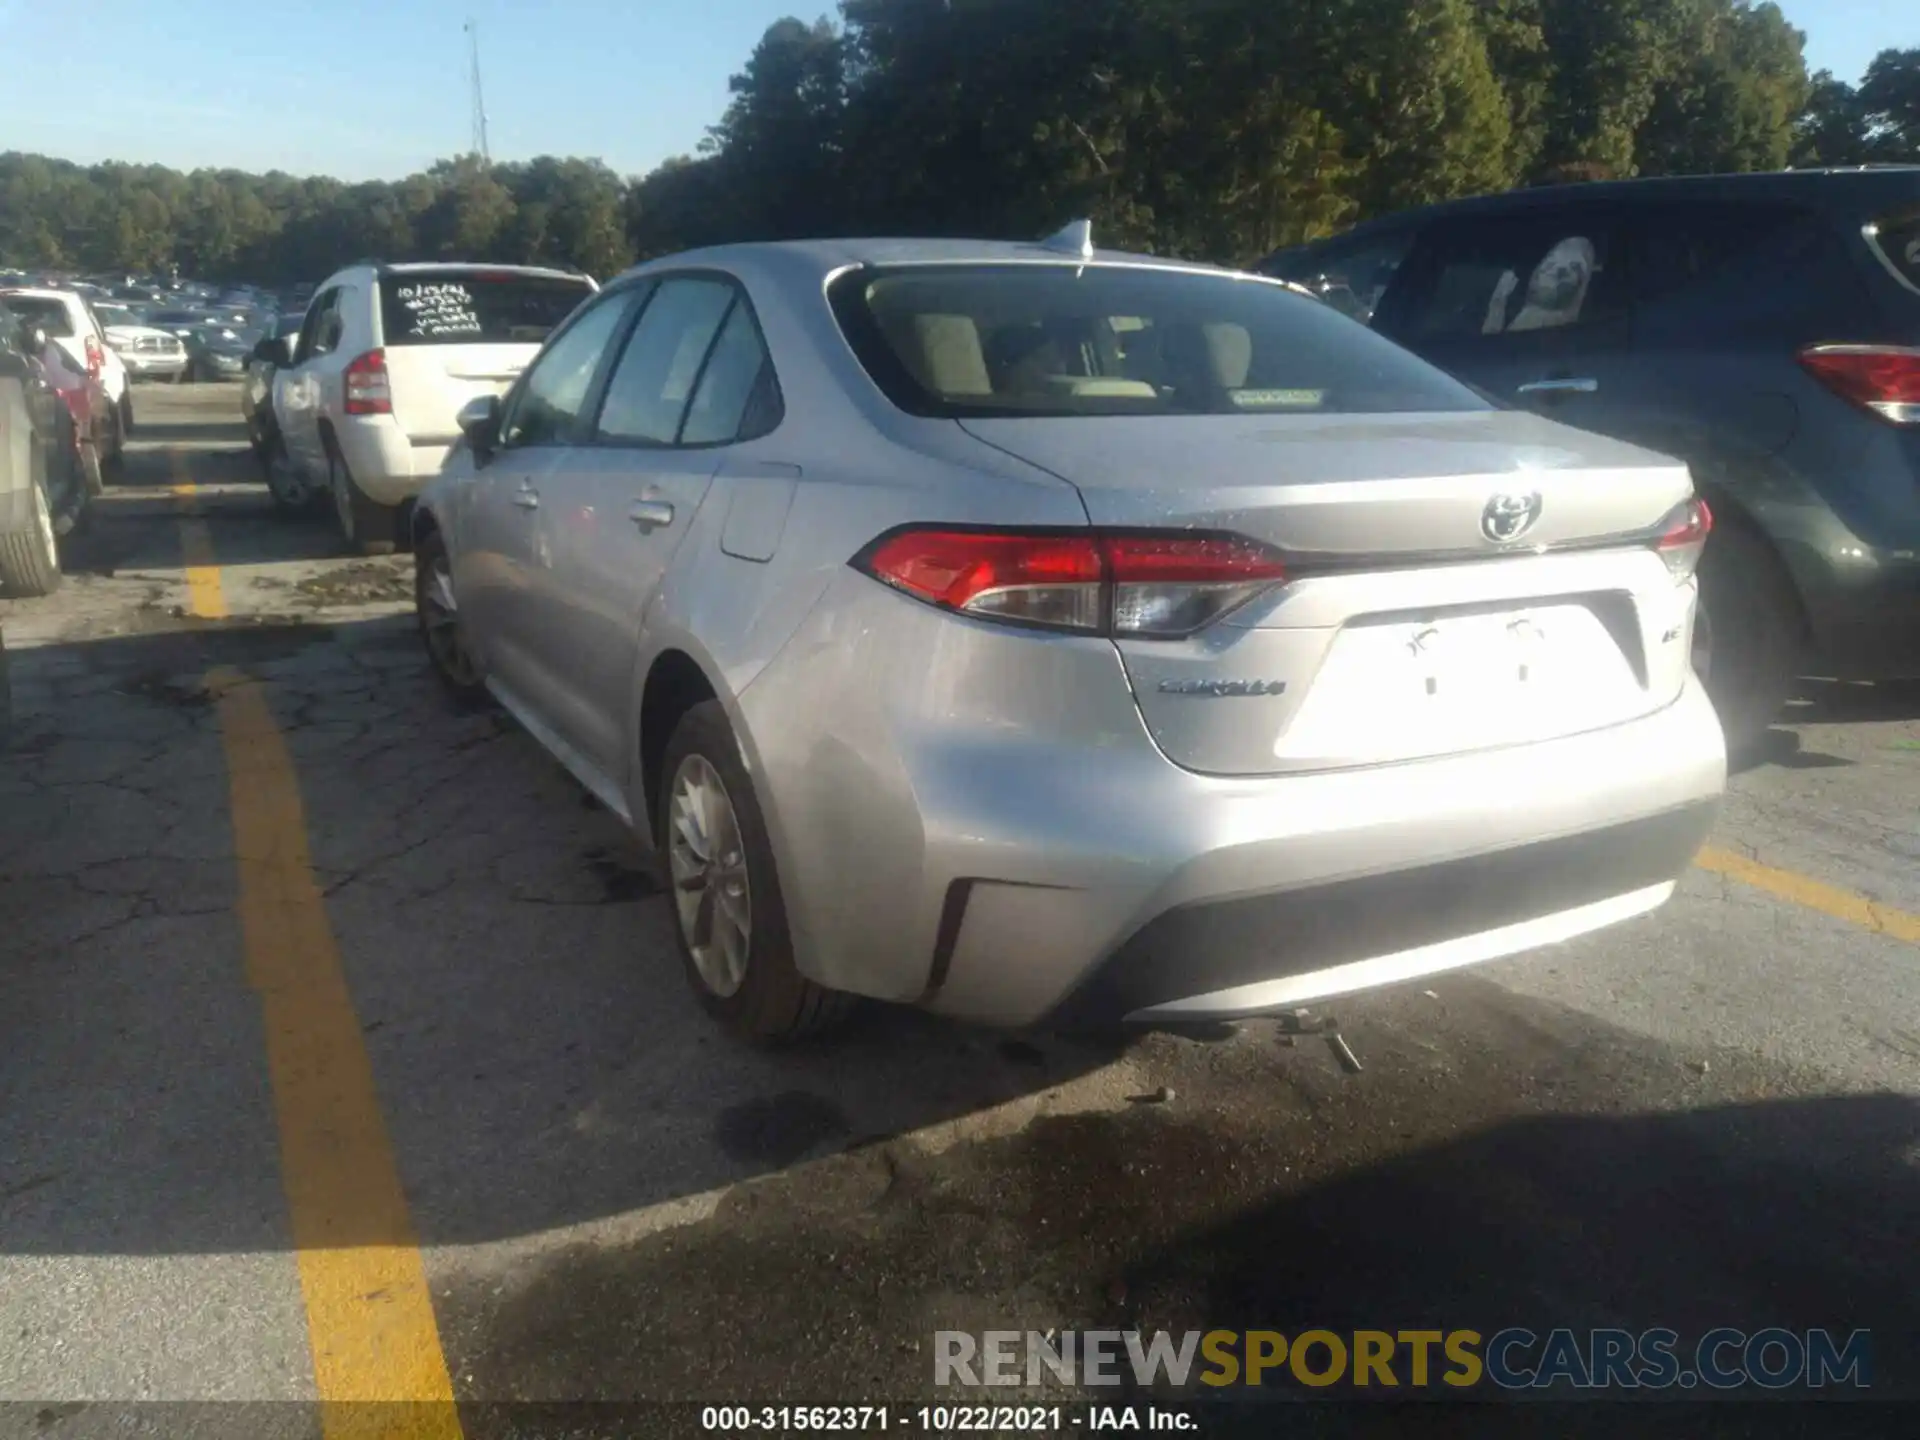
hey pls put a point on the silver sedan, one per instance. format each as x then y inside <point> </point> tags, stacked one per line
<point>1044,635</point>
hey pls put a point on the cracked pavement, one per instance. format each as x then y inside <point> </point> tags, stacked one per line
<point>1708,1115</point>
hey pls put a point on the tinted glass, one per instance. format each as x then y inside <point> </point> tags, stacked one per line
<point>720,402</point>
<point>468,307</point>
<point>555,390</point>
<point>1898,241</point>
<point>1121,340</point>
<point>1503,278</point>
<point>649,390</point>
<point>1681,247</point>
<point>50,315</point>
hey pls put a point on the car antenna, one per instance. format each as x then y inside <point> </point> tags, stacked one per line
<point>1075,238</point>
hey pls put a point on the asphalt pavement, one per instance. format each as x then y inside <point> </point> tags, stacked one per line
<point>344,1055</point>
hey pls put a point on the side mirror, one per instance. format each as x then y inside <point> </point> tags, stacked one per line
<point>479,421</point>
<point>270,351</point>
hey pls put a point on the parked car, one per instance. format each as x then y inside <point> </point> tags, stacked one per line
<point>367,407</point>
<point>218,352</point>
<point>1761,327</point>
<point>269,353</point>
<point>80,346</point>
<point>71,359</point>
<point>1032,633</point>
<point>43,493</point>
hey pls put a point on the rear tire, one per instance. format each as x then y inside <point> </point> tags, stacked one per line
<point>769,1001</point>
<point>367,526</point>
<point>92,474</point>
<point>30,559</point>
<point>1755,635</point>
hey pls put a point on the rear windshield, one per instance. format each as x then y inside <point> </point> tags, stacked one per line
<point>50,315</point>
<point>1059,340</point>
<point>464,307</point>
<point>1898,241</point>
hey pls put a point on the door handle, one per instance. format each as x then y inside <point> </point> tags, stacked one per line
<point>528,498</point>
<point>651,514</point>
<point>1560,385</point>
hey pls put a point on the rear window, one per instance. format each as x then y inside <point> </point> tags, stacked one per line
<point>479,306</point>
<point>1062,340</point>
<point>1898,242</point>
<point>50,315</point>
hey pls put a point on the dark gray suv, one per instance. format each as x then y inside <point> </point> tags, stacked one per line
<point>1764,328</point>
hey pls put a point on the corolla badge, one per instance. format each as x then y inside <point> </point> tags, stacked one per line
<point>1508,517</point>
<point>1222,689</point>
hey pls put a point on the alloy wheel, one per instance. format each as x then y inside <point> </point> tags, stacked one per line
<point>711,891</point>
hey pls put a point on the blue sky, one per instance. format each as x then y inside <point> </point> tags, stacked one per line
<point>375,90</point>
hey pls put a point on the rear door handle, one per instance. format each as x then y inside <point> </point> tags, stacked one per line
<point>651,514</point>
<point>528,498</point>
<point>1563,385</point>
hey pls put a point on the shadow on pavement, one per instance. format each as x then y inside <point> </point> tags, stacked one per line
<point>539,1058</point>
<point>1798,1214</point>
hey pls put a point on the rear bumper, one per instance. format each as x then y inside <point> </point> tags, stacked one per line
<point>388,464</point>
<point>1287,891</point>
<point>1244,956</point>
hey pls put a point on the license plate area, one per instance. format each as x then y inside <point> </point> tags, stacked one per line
<point>1399,687</point>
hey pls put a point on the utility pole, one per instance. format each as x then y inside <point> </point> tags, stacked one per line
<point>479,137</point>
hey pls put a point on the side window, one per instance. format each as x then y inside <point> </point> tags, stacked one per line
<point>549,400</point>
<point>648,394</point>
<point>1676,249</point>
<point>1507,277</point>
<point>737,397</point>
<point>310,328</point>
<point>333,324</point>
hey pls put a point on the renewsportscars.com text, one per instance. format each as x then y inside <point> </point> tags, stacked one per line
<point>1515,1358</point>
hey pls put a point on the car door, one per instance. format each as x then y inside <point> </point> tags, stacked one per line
<point>502,559</point>
<point>297,389</point>
<point>1533,308</point>
<point>626,500</point>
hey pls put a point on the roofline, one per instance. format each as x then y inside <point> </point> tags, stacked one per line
<point>1598,190</point>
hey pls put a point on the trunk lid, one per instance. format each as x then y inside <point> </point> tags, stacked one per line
<point>1408,632</point>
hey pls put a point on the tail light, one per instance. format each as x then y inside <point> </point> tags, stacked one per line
<point>1127,583</point>
<point>96,358</point>
<point>368,392</point>
<point>1683,535</point>
<point>1882,378</point>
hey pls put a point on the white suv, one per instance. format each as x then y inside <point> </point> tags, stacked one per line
<point>366,405</point>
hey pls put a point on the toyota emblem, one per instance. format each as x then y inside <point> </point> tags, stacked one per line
<point>1508,517</point>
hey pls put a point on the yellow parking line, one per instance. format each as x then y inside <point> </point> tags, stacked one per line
<point>1813,894</point>
<point>370,1321</point>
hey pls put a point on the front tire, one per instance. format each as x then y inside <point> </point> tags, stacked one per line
<point>442,630</point>
<point>730,919</point>
<point>289,491</point>
<point>1753,636</point>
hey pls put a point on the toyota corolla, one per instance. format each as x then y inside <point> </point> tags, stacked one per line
<point>1039,634</point>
